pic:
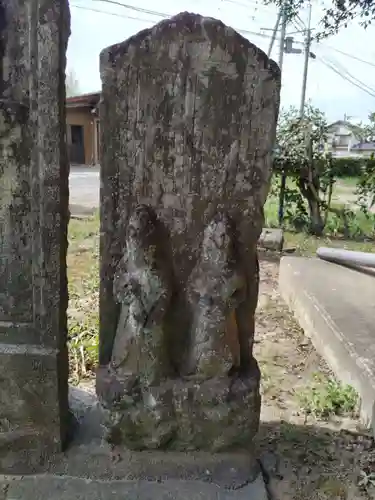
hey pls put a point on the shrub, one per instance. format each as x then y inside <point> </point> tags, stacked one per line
<point>347,167</point>
<point>326,397</point>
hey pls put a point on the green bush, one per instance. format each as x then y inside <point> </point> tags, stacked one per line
<point>347,167</point>
<point>326,397</point>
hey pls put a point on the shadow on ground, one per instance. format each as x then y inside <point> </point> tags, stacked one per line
<point>300,462</point>
<point>315,463</point>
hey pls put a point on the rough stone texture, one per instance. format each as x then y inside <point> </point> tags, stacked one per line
<point>216,289</point>
<point>272,239</point>
<point>336,308</point>
<point>142,285</point>
<point>33,233</point>
<point>216,414</point>
<point>188,115</point>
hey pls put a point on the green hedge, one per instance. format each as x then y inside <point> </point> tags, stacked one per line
<point>348,167</point>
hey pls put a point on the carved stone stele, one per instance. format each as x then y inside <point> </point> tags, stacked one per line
<point>188,119</point>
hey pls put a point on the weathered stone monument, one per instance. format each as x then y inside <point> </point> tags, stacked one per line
<point>34,414</point>
<point>188,119</point>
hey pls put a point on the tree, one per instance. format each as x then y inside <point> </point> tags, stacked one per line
<point>338,15</point>
<point>71,84</point>
<point>366,131</point>
<point>365,189</point>
<point>301,155</point>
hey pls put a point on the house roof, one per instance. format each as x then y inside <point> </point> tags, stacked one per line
<point>365,146</point>
<point>343,123</point>
<point>83,100</point>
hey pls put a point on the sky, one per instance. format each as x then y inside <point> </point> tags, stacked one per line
<point>96,24</point>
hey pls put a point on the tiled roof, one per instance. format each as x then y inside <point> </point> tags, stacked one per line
<point>84,99</point>
<point>354,128</point>
<point>365,146</point>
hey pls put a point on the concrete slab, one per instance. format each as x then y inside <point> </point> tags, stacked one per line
<point>87,469</point>
<point>84,186</point>
<point>93,461</point>
<point>335,305</point>
<point>67,488</point>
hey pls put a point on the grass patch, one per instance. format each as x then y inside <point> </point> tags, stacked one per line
<point>361,227</point>
<point>325,397</point>
<point>271,212</point>
<point>80,230</point>
<point>332,488</point>
<point>307,245</point>
<point>347,182</point>
<point>83,283</point>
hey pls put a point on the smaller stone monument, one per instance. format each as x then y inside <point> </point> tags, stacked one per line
<point>188,120</point>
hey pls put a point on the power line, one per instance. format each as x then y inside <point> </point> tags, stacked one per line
<point>241,4</point>
<point>359,85</point>
<point>350,55</point>
<point>155,13</point>
<point>112,13</point>
<point>257,5</point>
<point>245,4</point>
<point>245,32</point>
<point>165,15</point>
<point>345,78</point>
<point>344,70</point>
<point>236,2</point>
<point>133,7</point>
<point>300,22</point>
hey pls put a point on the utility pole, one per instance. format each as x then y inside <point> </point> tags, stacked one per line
<point>282,36</point>
<point>306,64</point>
<point>275,30</point>
<point>308,54</point>
<point>281,59</point>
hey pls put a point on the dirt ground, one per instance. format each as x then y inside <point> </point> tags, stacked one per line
<point>305,458</point>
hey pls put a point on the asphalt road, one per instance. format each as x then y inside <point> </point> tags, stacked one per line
<point>84,185</point>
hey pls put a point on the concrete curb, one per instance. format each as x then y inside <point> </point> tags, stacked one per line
<point>335,306</point>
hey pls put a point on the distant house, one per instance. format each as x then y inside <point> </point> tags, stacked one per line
<point>343,139</point>
<point>83,137</point>
<point>364,149</point>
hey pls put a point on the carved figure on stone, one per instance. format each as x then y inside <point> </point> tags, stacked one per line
<point>216,287</point>
<point>142,287</point>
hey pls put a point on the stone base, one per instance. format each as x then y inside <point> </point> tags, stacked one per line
<point>271,239</point>
<point>90,457</point>
<point>214,415</point>
<point>34,413</point>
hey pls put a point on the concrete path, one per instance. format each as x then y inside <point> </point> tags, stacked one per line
<point>84,186</point>
<point>335,305</point>
<point>44,487</point>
